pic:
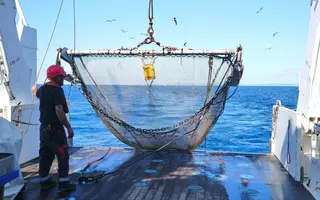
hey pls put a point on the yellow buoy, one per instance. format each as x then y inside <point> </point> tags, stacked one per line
<point>149,72</point>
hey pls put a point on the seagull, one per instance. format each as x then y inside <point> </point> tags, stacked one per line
<point>175,21</point>
<point>185,44</point>
<point>259,10</point>
<point>123,31</point>
<point>269,48</point>
<point>132,38</point>
<point>276,33</point>
<point>144,34</point>
<point>112,20</point>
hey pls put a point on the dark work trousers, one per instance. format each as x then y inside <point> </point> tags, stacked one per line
<point>53,141</point>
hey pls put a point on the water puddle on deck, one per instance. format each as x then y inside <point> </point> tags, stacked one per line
<point>150,171</point>
<point>157,161</point>
<point>244,165</point>
<point>194,187</point>
<point>216,177</point>
<point>141,184</point>
<point>198,154</point>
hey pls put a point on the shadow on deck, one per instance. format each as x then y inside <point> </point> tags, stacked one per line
<point>170,175</point>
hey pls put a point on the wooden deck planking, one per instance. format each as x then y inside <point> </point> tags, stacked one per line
<point>172,187</point>
<point>152,191</point>
<point>165,171</point>
<point>121,184</point>
<point>156,166</point>
<point>219,177</point>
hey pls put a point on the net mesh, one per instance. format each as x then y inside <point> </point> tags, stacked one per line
<point>156,101</point>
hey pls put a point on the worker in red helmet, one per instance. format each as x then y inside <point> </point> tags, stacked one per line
<point>53,140</point>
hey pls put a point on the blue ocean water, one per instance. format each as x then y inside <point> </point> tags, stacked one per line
<point>245,125</point>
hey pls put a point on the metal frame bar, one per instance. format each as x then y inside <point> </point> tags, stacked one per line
<point>151,52</point>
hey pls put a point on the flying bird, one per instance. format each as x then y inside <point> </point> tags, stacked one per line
<point>112,20</point>
<point>175,21</point>
<point>123,31</point>
<point>276,33</point>
<point>144,34</point>
<point>269,48</point>
<point>131,38</point>
<point>259,11</point>
<point>185,44</point>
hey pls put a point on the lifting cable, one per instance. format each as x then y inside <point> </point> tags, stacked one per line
<point>42,62</point>
<point>74,38</point>
<point>49,44</point>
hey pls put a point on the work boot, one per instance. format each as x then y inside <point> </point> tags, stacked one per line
<point>66,185</point>
<point>47,184</point>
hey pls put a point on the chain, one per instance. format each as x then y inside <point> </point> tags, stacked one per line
<point>150,31</point>
<point>155,133</point>
<point>164,130</point>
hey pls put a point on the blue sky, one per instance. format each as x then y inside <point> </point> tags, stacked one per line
<point>205,24</point>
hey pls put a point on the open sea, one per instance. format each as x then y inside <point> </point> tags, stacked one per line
<point>245,125</point>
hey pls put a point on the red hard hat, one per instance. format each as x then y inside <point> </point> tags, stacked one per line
<point>55,70</point>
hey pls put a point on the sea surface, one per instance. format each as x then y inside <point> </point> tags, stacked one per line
<point>245,125</point>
